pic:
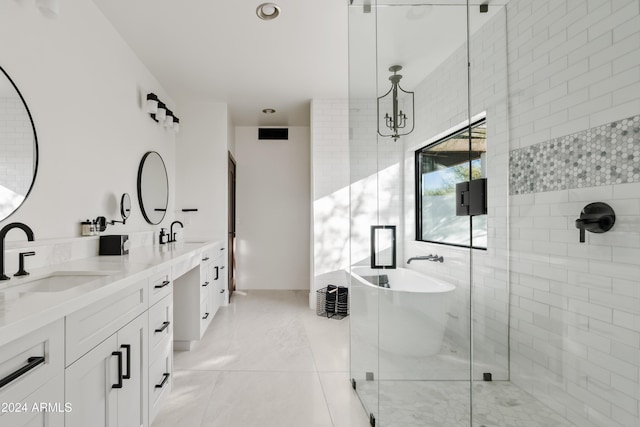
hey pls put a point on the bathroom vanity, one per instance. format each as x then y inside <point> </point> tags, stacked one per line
<point>90,342</point>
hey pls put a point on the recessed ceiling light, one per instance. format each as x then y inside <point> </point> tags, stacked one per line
<point>267,11</point>
<point>268,111</point>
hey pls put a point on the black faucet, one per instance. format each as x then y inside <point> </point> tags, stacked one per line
<point>172,235</point>
<point>3,233</point>
<point>434,258</point>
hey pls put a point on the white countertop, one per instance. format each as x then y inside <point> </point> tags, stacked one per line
<point>23,312</point>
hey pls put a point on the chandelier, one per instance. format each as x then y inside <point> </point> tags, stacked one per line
<point>395,121</point>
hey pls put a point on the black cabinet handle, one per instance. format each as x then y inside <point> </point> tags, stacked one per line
<point>165,283</point>
<point>164,326</point>
<point>119,355</point>
<point>222,291</point>
<point>205,315</point>
<point>217,272</point>
<point>205,284</point>
<point>205,259</point>
<point>222,249</point>
<point>32,362</point>
<point>127,376</point>
<point>165,378</point>
<point>222,268</point>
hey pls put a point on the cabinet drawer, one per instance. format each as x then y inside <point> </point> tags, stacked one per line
<point>88,327</point>
<point>160,285</point>
<point>205,291</point>
<point>160,323</point>
<point>160,379</point>
<point>30,361</point>
<point>208,254</point>
<point>205,315</point>
<point>44,408</point>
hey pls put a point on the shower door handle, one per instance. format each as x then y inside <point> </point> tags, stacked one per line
<point>383,237</point>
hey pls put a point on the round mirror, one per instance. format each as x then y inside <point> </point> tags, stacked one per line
<point>153,187</point>
<point>18,147</point>
<point>125,206</point>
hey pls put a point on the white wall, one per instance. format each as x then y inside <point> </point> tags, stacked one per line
<point>84,87</point>
<point>201,168</point>
<point>273,210</point>
<point>330,189</point>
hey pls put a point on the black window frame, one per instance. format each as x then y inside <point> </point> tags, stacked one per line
<point>418,185</point>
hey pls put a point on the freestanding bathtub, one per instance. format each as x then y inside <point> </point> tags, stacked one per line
<point>411,312</point>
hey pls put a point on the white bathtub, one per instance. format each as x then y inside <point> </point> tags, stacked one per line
<point>411,314</point>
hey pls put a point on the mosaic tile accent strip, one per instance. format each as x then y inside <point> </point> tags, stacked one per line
<point>603,155</point>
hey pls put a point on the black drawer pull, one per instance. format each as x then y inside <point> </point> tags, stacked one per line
<point>205,259</point>
<point>222,291</point>
<point>164,326</point>
<point>217,272</point>
<point>222,268</point>
<point>127,376</point>
<point>165,378</point>
<point>120,376</point>
<point>205,284</point>
<point>32,362</point>
<point>205,316</point>
<point>222,249</point>
<point>165,283</point>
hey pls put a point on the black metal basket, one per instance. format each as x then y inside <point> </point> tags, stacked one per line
<point>332,302</point>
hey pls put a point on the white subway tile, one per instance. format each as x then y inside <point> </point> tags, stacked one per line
<point>626,319</point>
<point>616,365</point>
<point>591,310</point>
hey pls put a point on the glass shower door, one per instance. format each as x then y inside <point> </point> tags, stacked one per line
<point>363,154</point>
<point>411,321</point>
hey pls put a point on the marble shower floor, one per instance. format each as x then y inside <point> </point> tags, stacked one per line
<point>447,403</point>
<point>266,360</point>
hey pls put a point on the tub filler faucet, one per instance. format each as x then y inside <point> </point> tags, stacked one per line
<point>434,258</point>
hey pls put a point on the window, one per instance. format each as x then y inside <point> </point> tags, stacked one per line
<point>439,167</point>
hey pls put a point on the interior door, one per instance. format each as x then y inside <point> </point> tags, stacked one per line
<point>231,275</point>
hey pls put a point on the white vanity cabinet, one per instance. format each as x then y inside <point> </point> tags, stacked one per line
<point>107,360</point>
<point>160,354</point>
<point>195,301</point>
<point>31,379</point>
<point>219,289</point>
<point>108,385</point>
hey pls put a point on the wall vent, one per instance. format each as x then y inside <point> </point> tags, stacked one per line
<point>273,133</point>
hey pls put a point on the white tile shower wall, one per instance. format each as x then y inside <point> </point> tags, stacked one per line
<point>330,192</point>
<point>441,103</point>
<point>376,171</point>
<point>575,307</point>
<point>16,146</point>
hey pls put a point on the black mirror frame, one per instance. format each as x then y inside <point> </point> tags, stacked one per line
<point>35,143</point>
<point>140,169</point>
<point>123,211</point>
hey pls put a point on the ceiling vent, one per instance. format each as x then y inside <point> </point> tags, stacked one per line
<point>273,133</point>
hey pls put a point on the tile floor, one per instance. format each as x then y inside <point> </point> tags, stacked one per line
<point>266,360</point>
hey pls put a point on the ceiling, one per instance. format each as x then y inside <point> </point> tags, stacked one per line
<point>221,51</point>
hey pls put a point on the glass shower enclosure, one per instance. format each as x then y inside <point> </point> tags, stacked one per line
<point>473,302</point>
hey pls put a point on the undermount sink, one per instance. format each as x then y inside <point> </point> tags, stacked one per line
<point>59,281</point>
